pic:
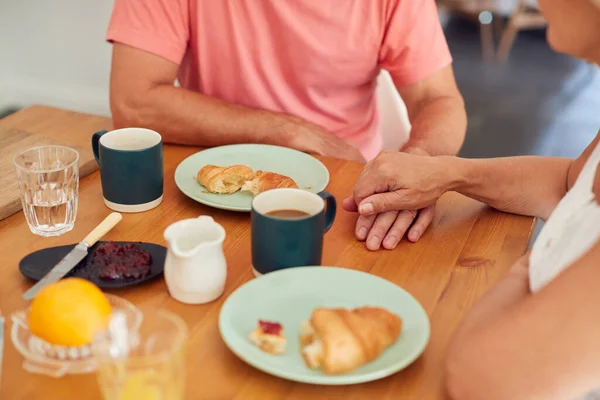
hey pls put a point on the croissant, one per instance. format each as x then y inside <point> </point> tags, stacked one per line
<point>339,340</point>
<point>264,181</point>
<point>224,180</point>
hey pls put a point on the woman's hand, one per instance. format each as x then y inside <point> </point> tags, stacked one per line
<point>397,191</point>
<point>400,181</point>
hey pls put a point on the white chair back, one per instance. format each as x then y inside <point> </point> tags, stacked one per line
<point>395,124</point>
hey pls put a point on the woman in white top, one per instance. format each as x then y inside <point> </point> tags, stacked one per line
<point>536,335</point>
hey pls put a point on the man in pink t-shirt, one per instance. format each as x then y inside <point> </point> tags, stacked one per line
<point>295,73</point>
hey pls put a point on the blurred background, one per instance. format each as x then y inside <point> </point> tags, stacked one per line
<point>521,97</point>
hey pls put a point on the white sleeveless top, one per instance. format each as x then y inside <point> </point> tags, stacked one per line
<point>572,229</point>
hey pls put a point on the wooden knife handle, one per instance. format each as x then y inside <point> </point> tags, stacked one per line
<point>102,229</point>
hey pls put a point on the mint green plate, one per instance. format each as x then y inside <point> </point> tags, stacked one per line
<point>290,295</point>
<point>308,172</point>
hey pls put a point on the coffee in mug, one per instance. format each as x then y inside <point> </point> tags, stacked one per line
<point>288,226</point>
<point>288,214</point>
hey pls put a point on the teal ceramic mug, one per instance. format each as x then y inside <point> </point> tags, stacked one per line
<point>287,228</point>
<point>131,168</point>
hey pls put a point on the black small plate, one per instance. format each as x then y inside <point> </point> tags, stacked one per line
<point>36,265</point>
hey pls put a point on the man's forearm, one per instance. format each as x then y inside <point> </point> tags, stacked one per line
<point>187,117</point>
<point>438,128</point>
<point>522,185</point>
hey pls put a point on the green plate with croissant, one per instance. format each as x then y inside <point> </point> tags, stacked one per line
<point>308,172</point>
<point>289,297</point>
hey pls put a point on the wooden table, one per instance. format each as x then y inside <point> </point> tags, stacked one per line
<point>19,132</point>
<point>467,249</point>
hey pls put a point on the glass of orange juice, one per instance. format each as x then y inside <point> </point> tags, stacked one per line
<point>146,361</point>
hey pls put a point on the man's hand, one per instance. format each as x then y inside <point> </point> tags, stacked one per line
<point>389,227</point>
<point>394,191</point>
<point>311,138</point>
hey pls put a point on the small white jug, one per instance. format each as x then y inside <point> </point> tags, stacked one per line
<point>195,268</point>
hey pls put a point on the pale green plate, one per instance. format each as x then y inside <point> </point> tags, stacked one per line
<point>290,295</point>
<point>308,172</point>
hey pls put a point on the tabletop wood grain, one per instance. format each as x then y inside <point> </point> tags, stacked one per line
<point>466,250</point>
<point>18,132</point>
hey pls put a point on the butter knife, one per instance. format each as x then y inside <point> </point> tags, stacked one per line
<point>75,256</point>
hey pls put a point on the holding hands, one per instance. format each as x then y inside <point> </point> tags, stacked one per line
<point>396,194</point>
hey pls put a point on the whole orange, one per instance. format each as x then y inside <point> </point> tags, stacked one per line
<point>69,312</point>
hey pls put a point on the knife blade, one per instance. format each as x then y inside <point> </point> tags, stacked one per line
<point>74,257</point>
<point>61,269</point>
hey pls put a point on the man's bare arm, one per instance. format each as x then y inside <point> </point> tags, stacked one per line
<point>437,113</point>
<point>143,94</point>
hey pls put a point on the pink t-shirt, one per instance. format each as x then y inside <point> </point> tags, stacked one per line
<point>316,59</point>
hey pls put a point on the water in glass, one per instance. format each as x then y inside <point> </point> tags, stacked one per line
<point>48,179</point>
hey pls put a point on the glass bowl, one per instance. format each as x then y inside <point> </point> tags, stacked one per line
<point>55,360</point>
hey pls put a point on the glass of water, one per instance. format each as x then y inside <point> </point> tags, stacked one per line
<point>48,179</point>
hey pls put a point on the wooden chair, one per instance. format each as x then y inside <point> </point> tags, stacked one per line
<point>525,16</point>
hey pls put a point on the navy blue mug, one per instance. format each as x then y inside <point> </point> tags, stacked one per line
<point>288,227</point>
<point>131,168</point>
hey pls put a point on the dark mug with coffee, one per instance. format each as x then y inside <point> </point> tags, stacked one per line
<point>288,227</point>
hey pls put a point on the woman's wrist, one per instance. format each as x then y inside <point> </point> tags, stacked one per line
<point>455,172</point>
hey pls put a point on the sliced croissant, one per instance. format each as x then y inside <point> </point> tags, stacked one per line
<point>224,180</point>
<point>339,340</point>
<point>264,181</point>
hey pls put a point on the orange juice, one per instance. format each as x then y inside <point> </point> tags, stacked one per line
<point>148,362</point>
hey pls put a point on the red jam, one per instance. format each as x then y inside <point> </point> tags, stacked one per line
<point>271,328</point>
<point>116,261</point>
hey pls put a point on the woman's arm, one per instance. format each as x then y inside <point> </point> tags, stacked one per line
<point>515,345</point>
<point>510,291</point>
<point>521,185</point>
<point>526,185</point>
<point>401,181</point>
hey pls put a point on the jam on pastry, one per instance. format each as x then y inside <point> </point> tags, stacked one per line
<point>268,336</point>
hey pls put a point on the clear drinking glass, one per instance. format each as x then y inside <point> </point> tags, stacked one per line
<point>48,179</point>
<point>143,363</point>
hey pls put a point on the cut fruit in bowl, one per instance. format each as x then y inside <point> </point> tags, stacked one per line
<point>58,360</point>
